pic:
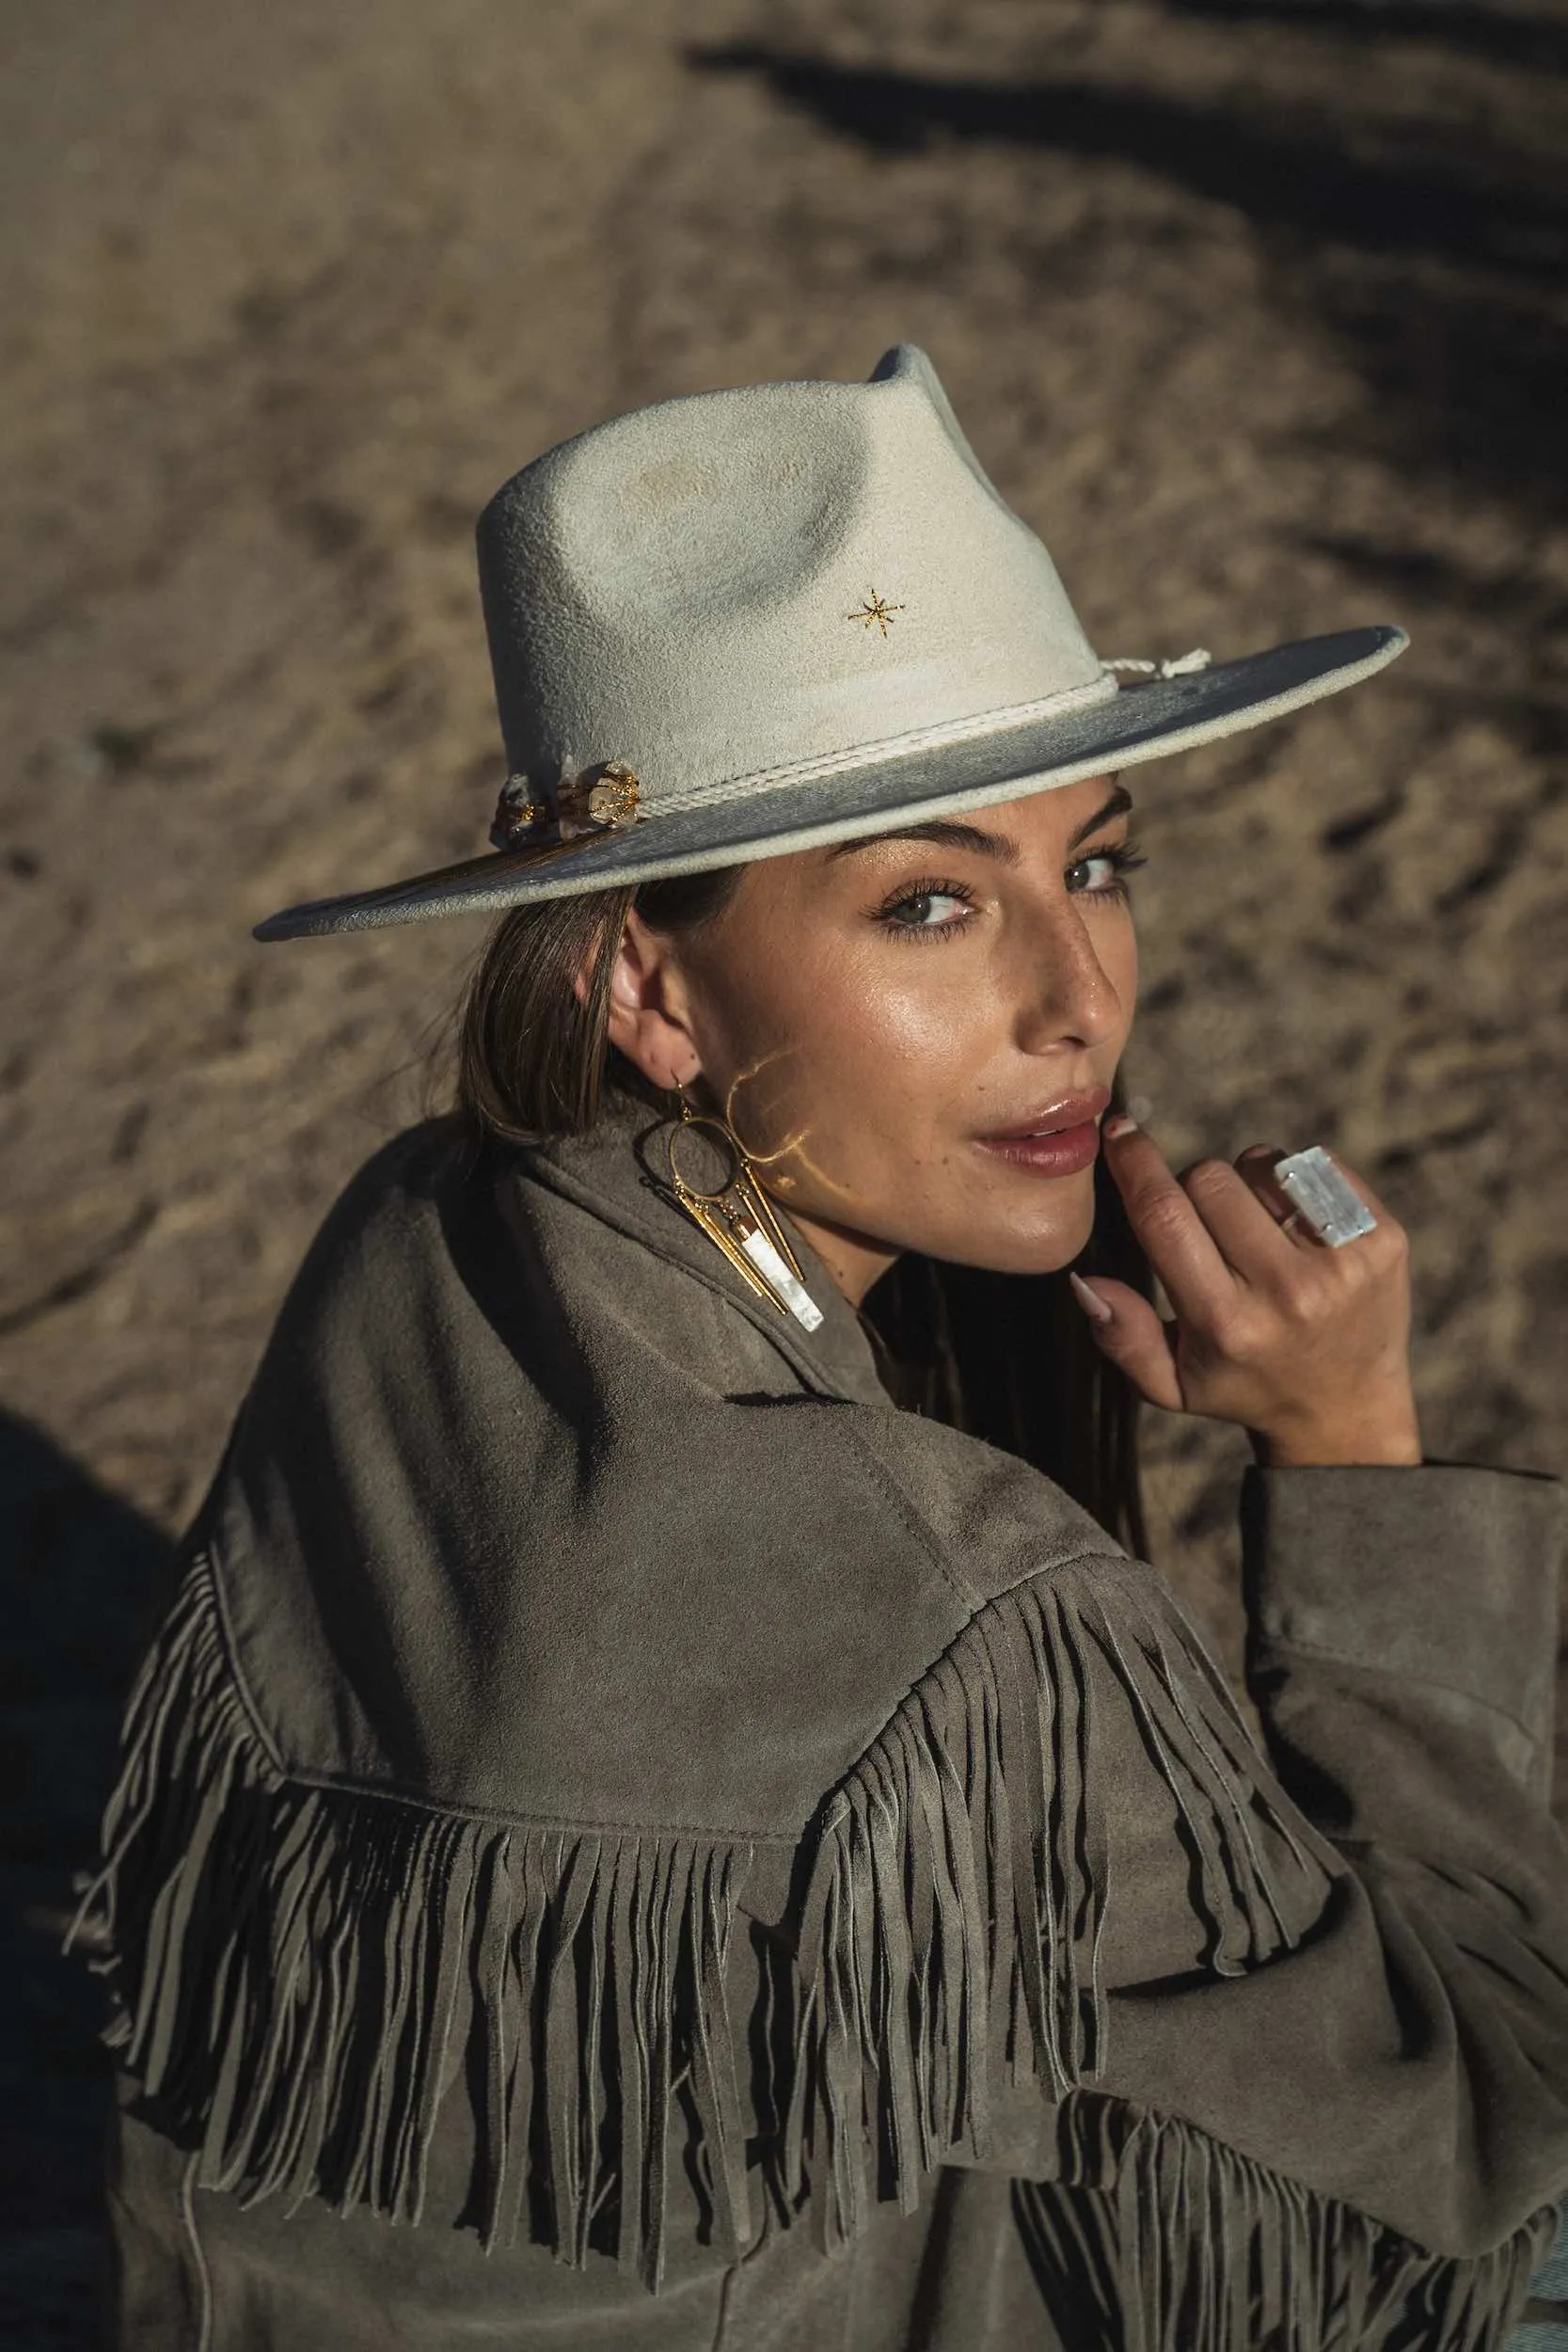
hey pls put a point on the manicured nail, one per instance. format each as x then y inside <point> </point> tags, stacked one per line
<point>1091,1302</point>
<point>1119,1124</point>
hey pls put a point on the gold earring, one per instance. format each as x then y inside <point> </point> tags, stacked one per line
<point>737,1217</point>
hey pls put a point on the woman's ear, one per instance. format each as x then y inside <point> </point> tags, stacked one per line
<point>649,1020</point>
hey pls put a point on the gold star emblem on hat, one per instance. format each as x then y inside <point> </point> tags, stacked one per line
<point>875,610</point>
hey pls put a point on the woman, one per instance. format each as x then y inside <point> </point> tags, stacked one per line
<point>632,1785</point>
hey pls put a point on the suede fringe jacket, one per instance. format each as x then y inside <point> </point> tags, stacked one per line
<point>627,1839</point>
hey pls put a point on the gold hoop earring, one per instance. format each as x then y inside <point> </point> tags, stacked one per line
<point>737,1216</point>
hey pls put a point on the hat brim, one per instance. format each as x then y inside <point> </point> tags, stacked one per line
<point>875,796</point>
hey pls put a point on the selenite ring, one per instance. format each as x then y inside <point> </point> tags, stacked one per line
<point>1322,1199</point>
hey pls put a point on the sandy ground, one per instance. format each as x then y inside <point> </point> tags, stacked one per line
<point>1256,308</point>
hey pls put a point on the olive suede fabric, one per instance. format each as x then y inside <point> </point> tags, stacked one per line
<point>628,1838</point>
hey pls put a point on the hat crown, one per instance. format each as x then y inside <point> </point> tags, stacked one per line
<point>746,581</point>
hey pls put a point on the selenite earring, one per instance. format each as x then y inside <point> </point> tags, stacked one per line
<point>735,1214</point>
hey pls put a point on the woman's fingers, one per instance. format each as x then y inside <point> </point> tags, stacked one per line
<point>1199,1231</point>
<point>1304,1345</point>
<point>1127,1329</point>
<point>1242,1221</point>
<point>1256,1166</point>
<point>1241,1210</point>
<point>1173,1236</point>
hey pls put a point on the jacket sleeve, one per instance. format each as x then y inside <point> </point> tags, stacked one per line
<point>1300,2014</point>
<point>1408,2051</point>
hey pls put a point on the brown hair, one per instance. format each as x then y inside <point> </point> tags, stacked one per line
<point>1004,1356</point>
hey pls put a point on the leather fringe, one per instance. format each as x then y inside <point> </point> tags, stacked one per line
<point>301,1971</point>
<point>1192,2244</point>
<point>955,1915</point>
<point>953,1924</point>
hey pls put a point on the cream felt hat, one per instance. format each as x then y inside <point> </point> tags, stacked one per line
<point>751,620</point>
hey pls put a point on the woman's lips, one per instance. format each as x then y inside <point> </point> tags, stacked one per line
<point>1055,1142</point>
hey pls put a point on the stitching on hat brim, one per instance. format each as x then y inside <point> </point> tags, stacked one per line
<point>1097,693</point>
<point>1156,725</point>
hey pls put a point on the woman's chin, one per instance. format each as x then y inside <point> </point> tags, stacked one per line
<point>1040,1230</point>
<point>1036,1245</point>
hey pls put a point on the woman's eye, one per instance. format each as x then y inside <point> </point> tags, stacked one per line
<point>927,910</point>
<point>1104,873</point>
<point>931,906</point>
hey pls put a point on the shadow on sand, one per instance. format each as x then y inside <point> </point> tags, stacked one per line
<point>83,1573</point>
<point>1441,269</point>
<point>1496,36</point>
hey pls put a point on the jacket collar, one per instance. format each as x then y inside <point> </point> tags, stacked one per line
<point>617,1171</point>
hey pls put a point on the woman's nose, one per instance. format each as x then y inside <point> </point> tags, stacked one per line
<point>1067,997</point>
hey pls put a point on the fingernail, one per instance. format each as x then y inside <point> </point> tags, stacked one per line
<point>1091,1302</point>
<point>1119,1124</point>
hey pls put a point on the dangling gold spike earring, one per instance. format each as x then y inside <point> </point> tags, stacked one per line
<point>738,1218</point>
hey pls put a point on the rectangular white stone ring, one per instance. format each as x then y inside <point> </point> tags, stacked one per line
<point>1321,1196</point>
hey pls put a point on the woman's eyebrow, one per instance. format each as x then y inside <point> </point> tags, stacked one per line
<point>1118,805</point>
<point>944,830</point>
<point>949,833</point>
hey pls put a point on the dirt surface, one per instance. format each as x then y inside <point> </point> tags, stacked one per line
<point>1256,308</point>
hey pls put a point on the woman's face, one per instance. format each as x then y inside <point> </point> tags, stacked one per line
<point>914,1036</point>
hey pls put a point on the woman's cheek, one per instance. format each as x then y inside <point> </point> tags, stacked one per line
<point>939,1019</point>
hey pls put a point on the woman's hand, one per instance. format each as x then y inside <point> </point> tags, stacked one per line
<point>1306,1348</point>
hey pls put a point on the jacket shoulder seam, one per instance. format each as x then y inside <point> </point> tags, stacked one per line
<point>973,1600</point>
<point>389,1792</point>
